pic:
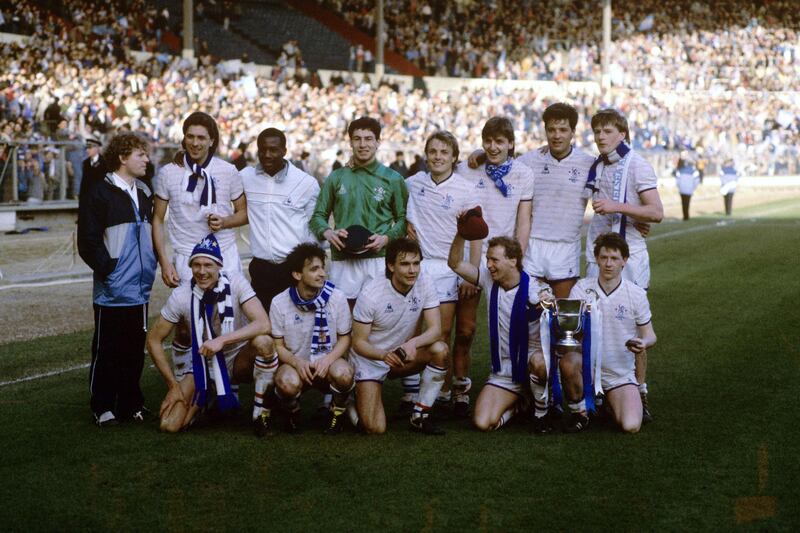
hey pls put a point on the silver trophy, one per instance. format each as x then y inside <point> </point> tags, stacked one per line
<point>568,313</point>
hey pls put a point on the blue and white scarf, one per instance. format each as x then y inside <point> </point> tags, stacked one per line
<point>619,192</point>
<point>202,313</point>
<point>194,172</point>
<point>497,172</point>
<point>518,330</point>
<point>320,337</point>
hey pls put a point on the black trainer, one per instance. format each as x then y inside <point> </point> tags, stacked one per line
<point>142,415</point>
<point>576,422</point>
<point>543,425</point>
<point>460,409</point>
<point>291,422</point>
<point>335,423</point>
<point>405,410</point>
<point>262,425</point>
<point>424,424</point>
<point>647,416</point>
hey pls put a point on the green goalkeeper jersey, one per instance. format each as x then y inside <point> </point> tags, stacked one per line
<point>373,196</point>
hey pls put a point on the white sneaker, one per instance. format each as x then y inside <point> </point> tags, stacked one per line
<point>106,419</point>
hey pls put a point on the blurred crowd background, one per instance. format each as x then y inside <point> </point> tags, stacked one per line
<point>715,79</point>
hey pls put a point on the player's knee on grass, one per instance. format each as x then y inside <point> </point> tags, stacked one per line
<point>172,421</point>
<point>340,375</point>
<point>483,420</point>
<point>537,366</point>
<point>288,382</point>
<point>629,423</point>
<point>439,352</point>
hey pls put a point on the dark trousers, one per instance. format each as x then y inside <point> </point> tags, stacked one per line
<point>685,199</point>
<point>728,203</point>
<point>117,360</point>
<point>269,279</point>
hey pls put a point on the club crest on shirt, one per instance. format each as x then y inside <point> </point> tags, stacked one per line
<point>378,193</point>
<point>422,192</point>
<point>415,303</point>
<point>546,169</point>
<point>297,318</point>
<point>389,309</point>
<point>573,175</point>
<point>621,312</point>
<point>447,202</point>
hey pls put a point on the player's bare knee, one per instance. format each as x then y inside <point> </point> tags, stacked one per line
<point>439,353</point>
<point>263,345</point>
<point>482,421</point>
<point>288,382</point>
<point>373,427</point>
<point>537,366</point>
<point>630,425</point>
<point>341,375</point>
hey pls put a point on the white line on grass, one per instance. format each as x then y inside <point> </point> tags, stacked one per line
<point>43,375</point>
<point>60,371</point>
<point>35,284</point>
<point>720,223</point>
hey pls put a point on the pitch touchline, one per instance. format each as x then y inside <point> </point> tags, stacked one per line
<point>59,372</point>
<point>44,283</point>
<point>718,224</point>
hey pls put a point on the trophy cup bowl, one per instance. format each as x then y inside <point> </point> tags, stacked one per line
<point>568,314</point>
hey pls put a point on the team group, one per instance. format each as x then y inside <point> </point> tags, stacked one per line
<point>406,268</point>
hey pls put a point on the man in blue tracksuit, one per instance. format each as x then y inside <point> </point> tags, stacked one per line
<point>115,240</point>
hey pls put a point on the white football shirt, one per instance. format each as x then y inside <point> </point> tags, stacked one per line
<point>623,309</point>
<point>185,224</point>
<point>296,326</point>
<point>433,210</point>
<point>505,300</point>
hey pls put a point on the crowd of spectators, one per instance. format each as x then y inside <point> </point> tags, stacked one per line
<point>57,88</point>
<point>657,43</point>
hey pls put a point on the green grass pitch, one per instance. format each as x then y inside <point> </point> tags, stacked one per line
<point>722,453</point>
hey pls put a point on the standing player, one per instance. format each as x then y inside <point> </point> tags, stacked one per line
<point>203,192</point>
<point>115,240</point>
<point>386,318</point>
<point>280,201</point>
<point>559,202</point>
<point>435,200</point>
<point>504,189</point>
<point>517,358</point>
<point>367,194</point>
<point>311,325</point>
<point>228,323</point>
<point>625,191</point>
<point>627,328</point>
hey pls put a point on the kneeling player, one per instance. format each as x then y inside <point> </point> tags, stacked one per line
<point>387,315</point>
<point>627,328</point>
<point>230,331</point>
<point>517,358</point>
<point>311,326</point>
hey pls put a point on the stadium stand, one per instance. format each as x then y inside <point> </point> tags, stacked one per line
<point>658,43</point>
<point>102,87</point>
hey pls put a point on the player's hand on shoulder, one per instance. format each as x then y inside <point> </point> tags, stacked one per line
<point>546,297</point>
<point>476,158</point>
